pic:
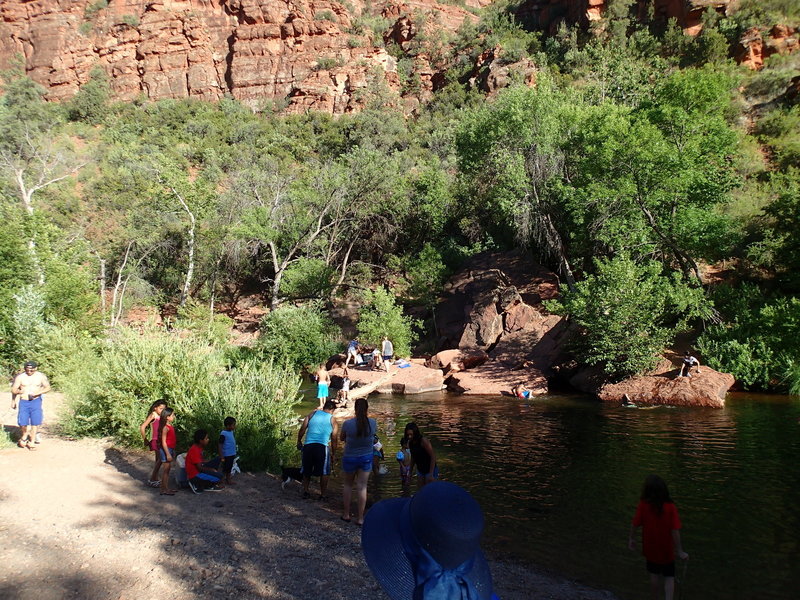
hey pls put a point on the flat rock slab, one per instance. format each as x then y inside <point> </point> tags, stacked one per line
<point>495,379</point>
<point>707,388</point>
<point>414,379</point>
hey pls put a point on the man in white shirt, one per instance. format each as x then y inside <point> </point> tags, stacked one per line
<point>28,388</point>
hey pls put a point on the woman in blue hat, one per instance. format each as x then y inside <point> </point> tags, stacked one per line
<point>428,547</point>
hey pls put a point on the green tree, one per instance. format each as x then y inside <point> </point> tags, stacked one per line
<point>301,336</point>
<point>381,316</point>
<point>628,313</point>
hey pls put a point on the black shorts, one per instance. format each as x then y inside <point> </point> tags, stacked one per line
<point>316,460</point>
<point>228,464</point>
<point>667,570</point>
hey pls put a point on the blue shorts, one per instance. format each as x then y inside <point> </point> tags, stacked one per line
<point>322,390</point>
<point>163,457</point>
<point>351,464</point>
<point>387,357</point>
<point>207,477</point>
<point>30,412</point>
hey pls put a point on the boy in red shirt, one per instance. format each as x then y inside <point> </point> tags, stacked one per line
<point>203,476</point>
<point>658,517</point>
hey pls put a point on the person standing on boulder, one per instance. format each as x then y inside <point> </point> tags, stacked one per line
<point>352,352</point>
<point>689,361</point>
<point>29,387</point>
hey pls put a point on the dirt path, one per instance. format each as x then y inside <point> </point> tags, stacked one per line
<point>77,522</point>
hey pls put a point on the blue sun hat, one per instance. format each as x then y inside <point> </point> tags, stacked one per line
<point>428,547</point>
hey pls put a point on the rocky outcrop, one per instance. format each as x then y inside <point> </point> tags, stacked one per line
<point>414,379</point>
<point>304,54</point>
<point>498,331</point>
<point>548,15</point>
<point>664,386</point>
<point>494,69</point>
<point>453,361</point>
<point>756,45</point>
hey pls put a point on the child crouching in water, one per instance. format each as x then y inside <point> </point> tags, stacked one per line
<point>658,517</point>
<point>203,476</point>
<point>404,459</point>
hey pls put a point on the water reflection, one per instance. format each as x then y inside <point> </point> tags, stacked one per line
<point>559,480</point>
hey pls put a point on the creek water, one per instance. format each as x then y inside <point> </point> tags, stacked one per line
<point>559,477</point>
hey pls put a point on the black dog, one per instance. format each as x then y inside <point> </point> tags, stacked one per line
<point>290,473</point>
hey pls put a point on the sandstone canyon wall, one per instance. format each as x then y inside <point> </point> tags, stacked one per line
<point>303,53</point>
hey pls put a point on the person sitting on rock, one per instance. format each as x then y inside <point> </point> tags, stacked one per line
<point>689,361</point>
<point>521,392</point>
<point>377,360</point>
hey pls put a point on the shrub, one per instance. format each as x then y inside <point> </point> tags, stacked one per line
<point>326,62</point>
<point>758,342</point>
<point>381,316</point>
<point>628,313</point>
<point>134,369</point>
<point>308,278</point>
<point>130,20</point>
<point>214,329</point>
<point>301,336</point>
<point>92,10</point>
<point>325,15</point>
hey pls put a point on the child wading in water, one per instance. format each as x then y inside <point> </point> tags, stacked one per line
<point>153,417</point>
<point>658,517</point>
<point>404,459</point>
<point>166,438</point>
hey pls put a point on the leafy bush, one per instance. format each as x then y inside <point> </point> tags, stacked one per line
<point>130,20</point>
<point>381,316</point>
<point>135,369</point>
<point>327,62</point>
<point>196,317</point>
<point>325,15</point>
<point>628,313</point>
<point>758,342</point>
<point>307,278</point>
<point>301,336</point>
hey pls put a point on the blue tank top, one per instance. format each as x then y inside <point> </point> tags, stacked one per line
<point>229,445</point>
<point>319,428</point>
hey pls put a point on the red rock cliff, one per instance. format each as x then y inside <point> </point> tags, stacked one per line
<point>301,52</point>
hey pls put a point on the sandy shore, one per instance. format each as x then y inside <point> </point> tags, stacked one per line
<point>76,521</point>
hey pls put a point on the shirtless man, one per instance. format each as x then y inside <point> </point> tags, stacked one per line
<point>323,382</point>
<point>29,387</point>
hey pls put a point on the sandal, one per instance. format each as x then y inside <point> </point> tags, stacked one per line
<point>168,493</point>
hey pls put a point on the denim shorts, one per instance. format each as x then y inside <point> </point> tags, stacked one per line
<point>351,464</point>
<point>163,457</point>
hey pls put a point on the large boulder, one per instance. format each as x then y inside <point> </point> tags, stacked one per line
<point>664,386</point>
<point>494,294</point>
<point>459,359</point>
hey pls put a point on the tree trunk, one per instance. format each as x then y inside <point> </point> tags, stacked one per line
<point>190,249</point>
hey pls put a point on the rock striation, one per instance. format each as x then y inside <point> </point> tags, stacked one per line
<point>302,54</point>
